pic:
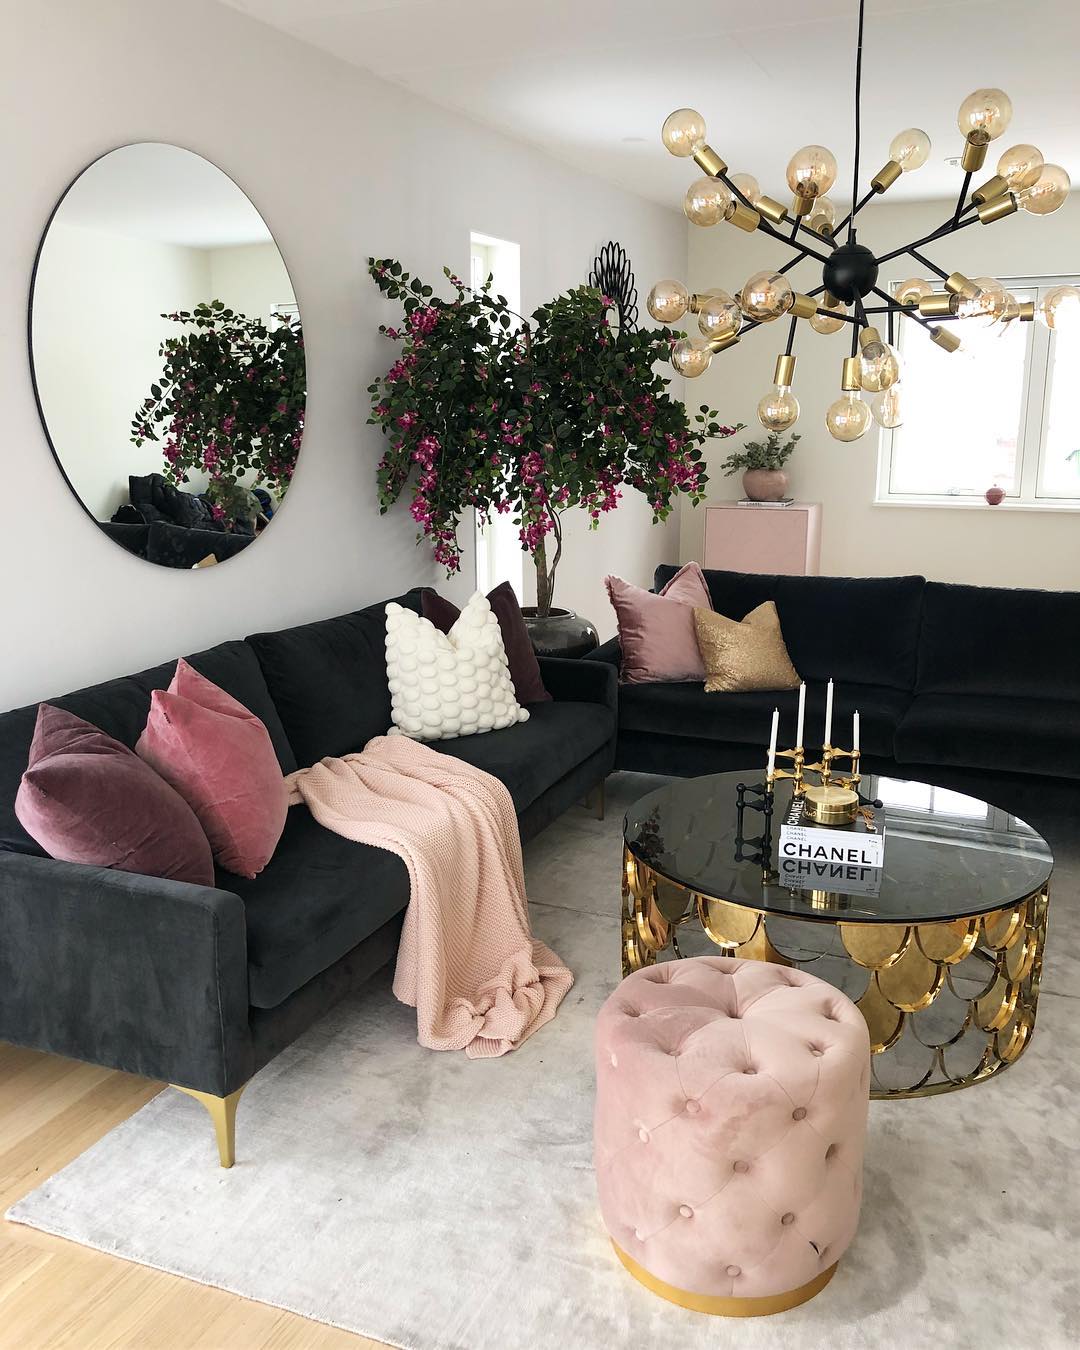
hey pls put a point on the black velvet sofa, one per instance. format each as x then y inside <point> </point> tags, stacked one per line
<point>968,687</point>
<point>202,986</point>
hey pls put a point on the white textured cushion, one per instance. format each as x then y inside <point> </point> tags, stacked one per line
<point>448,684</point>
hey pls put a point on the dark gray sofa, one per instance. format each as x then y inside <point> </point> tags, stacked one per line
<point>974,688</point>
<point>201,987</point>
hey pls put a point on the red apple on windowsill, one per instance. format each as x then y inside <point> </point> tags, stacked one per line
<point>995,495</point>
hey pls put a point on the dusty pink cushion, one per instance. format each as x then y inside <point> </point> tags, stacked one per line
<point>731,1104</point>
<point>220,759</point>
<point>85,798</point>
<point>656,632</point>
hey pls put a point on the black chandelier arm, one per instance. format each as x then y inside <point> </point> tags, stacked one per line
<point>766,228</point>
<point>930,266</point>
<point>909,312</point>
<point>791,337</point>
<point>863,201</point>
<point>961,198</point>
<point>942,232</point>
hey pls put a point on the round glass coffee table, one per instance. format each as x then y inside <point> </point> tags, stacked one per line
<point>941,947</point>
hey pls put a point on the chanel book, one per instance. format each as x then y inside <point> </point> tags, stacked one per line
<point>855,845</point>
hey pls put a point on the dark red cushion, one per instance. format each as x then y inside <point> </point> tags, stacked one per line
<point>86,798</point>
<point>520,657</point>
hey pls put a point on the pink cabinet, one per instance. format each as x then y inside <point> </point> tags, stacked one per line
<point>781,539</point>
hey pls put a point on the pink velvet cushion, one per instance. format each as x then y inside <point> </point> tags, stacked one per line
<point>85,798</point>
<point>656,632</point>
<point>220,759</point>
<point>731,1110</point>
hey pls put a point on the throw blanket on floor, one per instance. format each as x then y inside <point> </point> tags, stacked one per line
<point>467,961</point>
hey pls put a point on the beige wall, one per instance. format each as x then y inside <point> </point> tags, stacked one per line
<point>983,545</point>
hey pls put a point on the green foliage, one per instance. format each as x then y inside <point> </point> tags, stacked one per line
<point>229,402</point>
<point>528,417</point>
<point>772,453</point>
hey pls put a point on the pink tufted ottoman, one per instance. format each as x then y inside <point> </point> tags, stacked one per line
<point>731,1101</point>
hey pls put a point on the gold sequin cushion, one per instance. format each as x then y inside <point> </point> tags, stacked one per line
<point>747,655</point>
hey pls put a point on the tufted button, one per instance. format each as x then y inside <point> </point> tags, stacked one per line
<point>740,1167</point>
<point>799,1113</point>
<point>815,1050</point>
<point>832,1150</point>
<point>686,1211</point>
<point>733,1271</point>
<point>614,1061</point>
<point>749,1069</point>
<point>693,1108</point>
<point>639,1235</point>
<point>643,1135</point>
<point>788,1219</point>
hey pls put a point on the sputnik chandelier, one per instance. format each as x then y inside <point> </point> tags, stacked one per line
<point>849,270</point>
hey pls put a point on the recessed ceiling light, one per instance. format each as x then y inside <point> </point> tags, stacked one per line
<point>953,161</point>
<point>633,140</point>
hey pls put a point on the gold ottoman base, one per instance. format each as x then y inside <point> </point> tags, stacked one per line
<point>721,1305</point>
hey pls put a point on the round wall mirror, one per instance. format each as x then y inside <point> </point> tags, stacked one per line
<point>167,355</point>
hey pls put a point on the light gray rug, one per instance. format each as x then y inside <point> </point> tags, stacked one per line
<point>438,1203</point>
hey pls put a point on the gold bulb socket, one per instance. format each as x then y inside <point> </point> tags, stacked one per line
<point>803,307</point>
<point>784,373</point>
<point>962,286</point>
<point>997,209</point>
<point>829,301</point>
<point>886,176</point>
<point>938,305</point>
<point>947,341</point>
<point>720,344</point>
<point>744,217</point>
<point>708,161</point>
<point>993,187</point>
<point>867,336</point>
<point>849,377</point>
<point>771,210</point>
<point>695,302</point>
<point>1025,311</point>
<point>974,156</point>
<point>802,206</point>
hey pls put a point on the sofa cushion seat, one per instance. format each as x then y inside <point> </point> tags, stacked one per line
<point>744,718</point>
<point>975,731</point>
<point>534,755</point>
<point>318,897</point>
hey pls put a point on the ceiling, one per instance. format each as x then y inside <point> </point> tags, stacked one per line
<point>165,194</point>
<point>592,80</point>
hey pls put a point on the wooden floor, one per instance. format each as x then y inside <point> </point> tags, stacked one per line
<point>54,1293</point>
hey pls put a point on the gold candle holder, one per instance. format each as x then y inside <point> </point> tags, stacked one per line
<point>828,802</point>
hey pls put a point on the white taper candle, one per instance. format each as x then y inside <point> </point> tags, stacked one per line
<point>855,732</point>
<point>828,713</point>
<point>802,715</point>
<point>772,740</point>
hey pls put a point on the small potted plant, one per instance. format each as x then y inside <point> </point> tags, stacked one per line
<point>762,465</point>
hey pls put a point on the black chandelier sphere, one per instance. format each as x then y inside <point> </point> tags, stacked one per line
<point>850,273</point>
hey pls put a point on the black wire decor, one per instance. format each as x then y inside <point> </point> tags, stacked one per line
<point>613,276</point>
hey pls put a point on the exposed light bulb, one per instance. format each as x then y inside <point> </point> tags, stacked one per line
<point>848,418</point>
<point>707,201</point>
<point>984,115</point>
<point>748,185</point>
<point>826,323</point>
<point>879,365</point>
<point>766,296</point>
<point>1020,166</point>
<point>811,171</point>
<point>910,292</point>
<point>691,357</point>
<point>989,306</point>
<point>1059,309</point>
<point>910,149</point>
<point>822,217</point>
<point>668,301</point>
<point>683,131</point>
<point>719,315</point>
<point>886,409</point>
<point>779,409</point>
<point>1047,193</point>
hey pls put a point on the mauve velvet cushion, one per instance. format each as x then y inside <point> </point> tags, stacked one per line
<point>656,632</point>
<point>520,657</point>
<point>220,759</point>
<point>85,798</point>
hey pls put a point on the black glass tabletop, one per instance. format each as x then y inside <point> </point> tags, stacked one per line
<point>946,855</point>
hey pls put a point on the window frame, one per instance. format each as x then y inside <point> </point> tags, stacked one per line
<point>1032,431</point>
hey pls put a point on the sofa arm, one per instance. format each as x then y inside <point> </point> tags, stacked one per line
<point>128,971</point>
<point>610,653</point>
<point>578,681</point>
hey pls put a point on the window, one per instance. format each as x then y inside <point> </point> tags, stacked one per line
<point>498,549</point>
<point>997,412</point>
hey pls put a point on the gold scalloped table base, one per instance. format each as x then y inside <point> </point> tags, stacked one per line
<point>947,1004</point>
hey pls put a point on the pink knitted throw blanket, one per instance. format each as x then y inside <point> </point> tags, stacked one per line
<point>467,960</point>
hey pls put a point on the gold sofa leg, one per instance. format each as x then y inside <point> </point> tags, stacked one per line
<point>595,800</point>
<point>223,1113</point>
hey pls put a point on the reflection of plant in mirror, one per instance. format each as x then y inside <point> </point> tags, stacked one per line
<point>229,403</point>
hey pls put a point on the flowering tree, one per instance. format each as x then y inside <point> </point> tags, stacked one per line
<point>528,419</point>
<point>229,401</point>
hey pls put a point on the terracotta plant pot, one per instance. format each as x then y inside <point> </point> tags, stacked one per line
<point>765,485</point>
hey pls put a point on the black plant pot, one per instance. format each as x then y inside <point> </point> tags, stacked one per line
<point>560,633</point>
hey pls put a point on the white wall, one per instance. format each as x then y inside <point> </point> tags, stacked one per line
<point>983,546</point>
<point>341,166</point>
<point>250,278</point>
